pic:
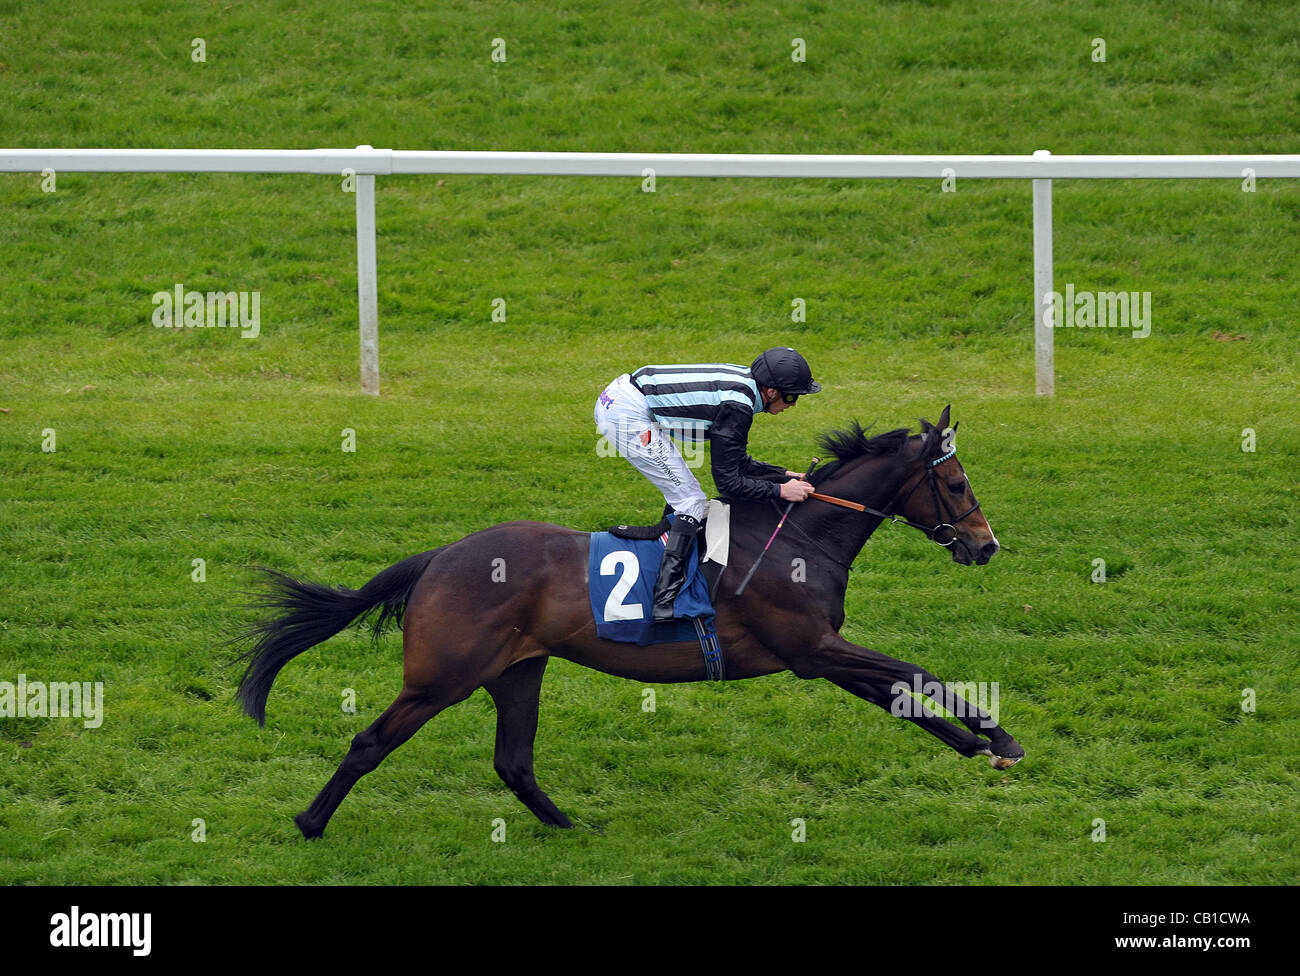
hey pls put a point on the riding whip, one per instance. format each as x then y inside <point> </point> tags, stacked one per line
<point>745,581</point>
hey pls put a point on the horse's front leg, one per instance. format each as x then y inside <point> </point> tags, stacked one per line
<point>890,683</point>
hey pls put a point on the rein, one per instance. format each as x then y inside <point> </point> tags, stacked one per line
<point>928,475</point>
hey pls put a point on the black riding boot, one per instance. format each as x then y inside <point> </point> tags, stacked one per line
<point>672,571</point>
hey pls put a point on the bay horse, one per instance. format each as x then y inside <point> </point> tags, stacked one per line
<point>490,610</point>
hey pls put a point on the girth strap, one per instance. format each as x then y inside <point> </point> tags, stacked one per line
<point>713,664</point>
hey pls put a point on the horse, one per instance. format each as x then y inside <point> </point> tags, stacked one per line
<point>463,631</point>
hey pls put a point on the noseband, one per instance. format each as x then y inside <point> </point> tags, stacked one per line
<point>940,504</point>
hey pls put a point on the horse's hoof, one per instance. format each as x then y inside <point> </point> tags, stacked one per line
<point>1000,762</point>
<point>309,830</point>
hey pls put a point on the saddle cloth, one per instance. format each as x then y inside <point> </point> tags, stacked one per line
<point>621,574</point>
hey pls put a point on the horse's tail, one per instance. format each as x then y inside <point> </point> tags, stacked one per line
<point>304,614</point>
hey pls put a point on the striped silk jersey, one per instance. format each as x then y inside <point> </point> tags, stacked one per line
<point>687,398</point>
<point>717,401</point>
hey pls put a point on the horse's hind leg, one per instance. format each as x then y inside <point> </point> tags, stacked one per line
<point>401,720</point>
<point>516,693</point>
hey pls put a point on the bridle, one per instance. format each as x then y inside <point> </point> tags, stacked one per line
<point>929,476</point>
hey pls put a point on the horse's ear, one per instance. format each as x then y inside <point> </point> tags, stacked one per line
<point>929,437</point>
<point>943,418</point>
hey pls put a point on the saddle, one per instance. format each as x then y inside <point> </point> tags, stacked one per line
<point>643,531</point>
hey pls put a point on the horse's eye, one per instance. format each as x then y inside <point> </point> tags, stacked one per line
<point>957,487</point>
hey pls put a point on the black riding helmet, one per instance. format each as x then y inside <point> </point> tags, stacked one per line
<point>784,370</point>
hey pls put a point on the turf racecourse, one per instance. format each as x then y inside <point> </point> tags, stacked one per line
<point>173,445</point>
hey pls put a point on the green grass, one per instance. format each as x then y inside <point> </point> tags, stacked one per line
<point>174,445</point>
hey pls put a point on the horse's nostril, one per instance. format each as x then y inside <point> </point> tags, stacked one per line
<point>988,550</point>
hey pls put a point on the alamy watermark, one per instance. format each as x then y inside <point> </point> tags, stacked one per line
<point>54,699</point>
<point>182,309</point>
<point>1098,310</point>
<point>969,699</point>
<point>76,929</point>
<point>625,433</point>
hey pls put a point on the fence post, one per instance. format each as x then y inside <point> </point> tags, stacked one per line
<point>1044,339</point>
<point>367,283</point>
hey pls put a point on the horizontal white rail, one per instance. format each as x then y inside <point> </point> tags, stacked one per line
<point>847,167</point>
<point>366,163</point>
<point>385,162</point>
<point>325,161</point>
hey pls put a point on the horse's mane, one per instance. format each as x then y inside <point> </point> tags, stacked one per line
<point>845,445</point>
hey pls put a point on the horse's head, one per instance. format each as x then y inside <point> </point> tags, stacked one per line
<point>938,498</point>
<point>916,478</point>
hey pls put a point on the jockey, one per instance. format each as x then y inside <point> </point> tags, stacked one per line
<point>639,411</point>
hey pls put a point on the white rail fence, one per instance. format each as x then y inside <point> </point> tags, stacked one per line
<point>367,163</point>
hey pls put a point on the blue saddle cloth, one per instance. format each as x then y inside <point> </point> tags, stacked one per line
<point>622,576</point>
